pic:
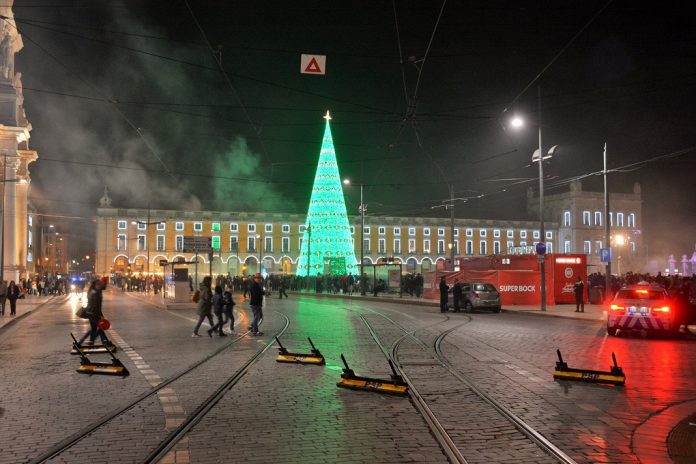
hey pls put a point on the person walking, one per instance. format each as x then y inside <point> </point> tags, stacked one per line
<point>256,302</point>
<point>444,289</point>
<point>204,308</point>
<point>13,295</point>
<point>456,295</point>
<point>3,296</point>
<point>217,309</point>
<point>579,289</point>
<point>281,289</point>
<point>94,313</point>
<point>227,307</point>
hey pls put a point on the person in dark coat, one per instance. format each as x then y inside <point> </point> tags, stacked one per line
<point>281,289</point>
<point>456,295</point>
<point>579,289</point>
<point>204,309</point>
<point>217,305</point>
<point>227,307</point>
<point>94,311</point>
<point>256,303</point>
<point>13,295</point>
<point>444,289</point>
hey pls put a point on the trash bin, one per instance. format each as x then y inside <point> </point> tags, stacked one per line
<point>596,295</point>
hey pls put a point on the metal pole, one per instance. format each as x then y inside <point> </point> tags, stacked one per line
<point>452,227</point>
<point>362,242</point>
<point>309,251</point>
<point>2,240</point>
<point>147,243</point>
<point>542,258</point>
<point>607,231</point>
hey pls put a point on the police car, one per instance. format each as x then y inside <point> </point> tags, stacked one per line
<point>643,307</point>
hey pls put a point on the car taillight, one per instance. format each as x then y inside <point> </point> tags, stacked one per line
<point>661,309</point>
<point>616,307</point>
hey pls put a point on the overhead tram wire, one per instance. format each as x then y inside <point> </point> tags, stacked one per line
<point>234,74</point>
<point>93,87</point>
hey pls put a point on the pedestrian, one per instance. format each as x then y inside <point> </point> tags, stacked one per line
<point>217,309</point>
<point>13,295</point>
<point>456,295</point>
<point>256,302</point>
<point>3,296</point>
<point>444,288</point>
<point>94,313</point>
<point>281,289</point>
<point>227,307</point>
<point>204,308</point>
<point>579,288</point>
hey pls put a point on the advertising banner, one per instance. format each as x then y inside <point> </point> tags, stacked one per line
<point>519,287</point>
<point>566,270</point>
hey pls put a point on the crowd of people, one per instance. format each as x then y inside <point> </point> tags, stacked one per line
<point>676,285</point>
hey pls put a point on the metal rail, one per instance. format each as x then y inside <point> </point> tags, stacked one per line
<point>196,416</point>
<point>80,434</point>
<point>520,424</point>
<point>439,432</point>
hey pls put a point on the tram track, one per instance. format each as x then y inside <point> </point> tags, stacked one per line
<point>191,419</point>
<point>439,432</point>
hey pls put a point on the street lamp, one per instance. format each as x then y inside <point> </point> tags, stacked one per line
<point>518,122</point>
<point>362,208</point>
<point>258,240</point>
<point>619,241</point>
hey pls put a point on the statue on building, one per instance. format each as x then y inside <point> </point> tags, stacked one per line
<point>671,264</point>
<point>685,265</point>
<point>105,200</point>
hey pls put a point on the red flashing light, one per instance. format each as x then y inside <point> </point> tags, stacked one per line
<point>616,307</point>
<point>641,291</point>
<point>661,309</point>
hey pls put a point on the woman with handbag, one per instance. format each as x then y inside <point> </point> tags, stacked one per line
<point>13,295</point>
<point>94,313</point>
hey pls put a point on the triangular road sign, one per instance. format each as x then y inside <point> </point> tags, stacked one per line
<point>313,64</point>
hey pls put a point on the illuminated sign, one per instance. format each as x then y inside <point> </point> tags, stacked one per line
<point>569,260</point>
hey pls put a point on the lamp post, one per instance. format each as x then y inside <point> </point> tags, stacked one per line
<point>619,241</point>
<point>537,157</point>
<point>258,240</point>
<point>362,208</point>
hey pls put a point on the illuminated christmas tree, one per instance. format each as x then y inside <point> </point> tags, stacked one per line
<point>327,240</point>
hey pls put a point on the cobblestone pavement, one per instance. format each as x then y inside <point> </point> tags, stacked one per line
<point>291,413</point>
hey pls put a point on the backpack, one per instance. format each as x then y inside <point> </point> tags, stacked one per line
<point>196,296</point>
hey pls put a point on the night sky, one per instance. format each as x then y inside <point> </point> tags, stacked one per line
<point>129,94</point>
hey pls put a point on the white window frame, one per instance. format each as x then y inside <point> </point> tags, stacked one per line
<point>426,231</point>
<point>567,248</point>
<point>178,243</point>
<point>523,234</point>
<point>411,245</point>
<point>157,245</point>
<point>619,219</point>
<point>251,243</point>
<point>598,218</point>
<point>441,247</point>
<point>586,218</point>
<point>598,246</point>
<point>509,244</point>
<point>382,245</point>
<point>496,247</point>
<point>198,227</point>
<point>611,218</point>
<point>285,228</point>
<point>367,245</point>
<point>119,238</point>
<point>587,247</point>
<point>366,230</point>
<point>219,242</point>
<point>536,235</point>
<point>412,231</point>
<point>141,225</point>
<point>268,228</point>
<point>212,227</point>
<point>631,219</point>
<point>456,232</point>
<point>397,230</point>
<point>234,227</point>
<point>396,246</point>
<point>285,244</point>
<point>469,232</point>
<point>161,226</point>
<point>352,230</point>
<point>121,225</point>
<point>142,239</point>
<point>496,233</point>
<point>179,226</point>
<point>510,233</point>
<point>234,239</point>
<point>523,244</point>
<point>251,227</point>
<point>301,229</point>
<point>549,235</point>
<point>456,246</point>
<point>549,247</point>
<point>483,232</point>
<point>469,247</point>
<point>381,230</point>
<point>426,245</point>
<point>483,248</point>
<point>440,232</point>
<point>566,218</point>
<point>266,241</point>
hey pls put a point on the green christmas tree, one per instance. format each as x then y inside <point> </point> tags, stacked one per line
<point>327,245</point>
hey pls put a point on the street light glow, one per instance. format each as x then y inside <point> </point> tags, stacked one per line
<point>517,122</point>
<point>346,181</point>
<point>620,240</point>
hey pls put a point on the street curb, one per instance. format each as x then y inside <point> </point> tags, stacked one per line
<point>22,316</point>
<point>548,314</point>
